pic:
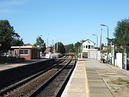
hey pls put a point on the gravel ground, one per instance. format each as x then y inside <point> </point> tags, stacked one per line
<point>52,89</point>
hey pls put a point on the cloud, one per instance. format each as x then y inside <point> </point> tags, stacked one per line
<point>7,6</point>
<point>8,3</point>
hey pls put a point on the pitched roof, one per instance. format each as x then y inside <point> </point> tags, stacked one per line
<point>88,42</point>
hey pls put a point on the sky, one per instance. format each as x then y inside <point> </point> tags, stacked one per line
<point>66,21</point>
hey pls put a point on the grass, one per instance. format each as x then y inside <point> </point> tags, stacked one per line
<point>121,81</point>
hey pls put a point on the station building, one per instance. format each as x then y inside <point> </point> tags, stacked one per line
<point>26,52</point>
<point>88,50</point>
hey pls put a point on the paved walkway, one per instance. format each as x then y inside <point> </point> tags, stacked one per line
<point>8,66</point>
<point>76,86</point>
<point>96,83</point>
<point>86,81</point>
<point>107,80</point>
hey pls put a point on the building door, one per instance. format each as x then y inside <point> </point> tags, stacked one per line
<point>85,54</point>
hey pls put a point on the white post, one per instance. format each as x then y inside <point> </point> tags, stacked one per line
<point>119,60</point>
<point>81,55</point>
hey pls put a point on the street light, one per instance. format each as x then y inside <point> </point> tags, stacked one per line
<point>107,31</point>
<point>101,37</point>
<point>96,39</point>
<point>107,38</point>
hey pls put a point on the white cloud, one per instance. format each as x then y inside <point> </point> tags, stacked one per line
<point>8,3</point>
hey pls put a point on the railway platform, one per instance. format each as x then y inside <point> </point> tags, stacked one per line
<point>8,66</point>
<point>86,80</point>
<point>77,85</point>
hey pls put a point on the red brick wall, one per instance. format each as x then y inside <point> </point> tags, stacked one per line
<point>33,53</point>
<point>25,56</point>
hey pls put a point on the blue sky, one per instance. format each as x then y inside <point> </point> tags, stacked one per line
<point>67,21</point>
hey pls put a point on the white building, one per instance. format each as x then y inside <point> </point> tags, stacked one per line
<point>88,50</point>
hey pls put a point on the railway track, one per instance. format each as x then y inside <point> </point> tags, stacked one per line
<point>55,86</point>
<point>29,86</point>
<point>13,85</point>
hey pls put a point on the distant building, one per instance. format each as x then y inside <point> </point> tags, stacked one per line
<point>88,50</point>
<point>48,50</point>
<point>26,52</point>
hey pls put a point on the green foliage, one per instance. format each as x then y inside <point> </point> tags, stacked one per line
<point>106,51</point>
<point>40,42</point>
<point>59,47</point>
<point>119,50</point>
<point>69,48</point>
<point>17,42</point>
<point>122,33</point>
<point>8,36</point>
<point>74,48</point>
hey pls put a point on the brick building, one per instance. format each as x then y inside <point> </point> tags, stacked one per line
<point>26,52</point>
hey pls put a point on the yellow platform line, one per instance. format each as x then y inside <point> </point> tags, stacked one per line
<point>87,85</point>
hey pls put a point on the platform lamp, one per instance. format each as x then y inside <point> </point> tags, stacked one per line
<point>96,39</point>
<point>107,38</point>
<point>107,31</point>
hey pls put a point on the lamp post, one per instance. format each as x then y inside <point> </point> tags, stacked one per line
<point>107,31</point>
<point>107,39</point>
<point>101,39</point>
<point>96,39</point>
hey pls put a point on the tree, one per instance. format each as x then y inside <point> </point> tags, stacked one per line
<point>59,47</point>
<point>77,46</point>
<point>122,33</point>
<point>69,48</point>
<point>40,42</point>
<point>8,36</point>
<point>17,42</point>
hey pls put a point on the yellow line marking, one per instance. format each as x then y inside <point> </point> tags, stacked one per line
<point>87,85</point>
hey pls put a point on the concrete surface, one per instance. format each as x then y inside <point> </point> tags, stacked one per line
<point>7,65</point>
<point>76,86</point>
<point>86,81</point>
<point>96,83</point>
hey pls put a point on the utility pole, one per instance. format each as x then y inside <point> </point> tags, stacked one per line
<point>107,39</point>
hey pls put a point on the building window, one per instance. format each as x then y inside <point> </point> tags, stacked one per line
<point>23,51</point>
<point>26,51</point>
<point>86,46</point>
<point>89,47</point>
